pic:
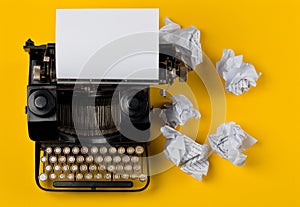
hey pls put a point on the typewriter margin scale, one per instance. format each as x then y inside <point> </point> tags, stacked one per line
<point>52,124</point>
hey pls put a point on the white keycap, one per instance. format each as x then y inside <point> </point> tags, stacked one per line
<point>48,168</point>
<point>84,150</point>
<point>127,168</point>
<point>126,159</point>
<point>88,176</point>
<point>130,150</point>
<point>43,177</point>
<point>107,159</point>
<point>121,150</point>
<point>98,159</point>
<point>119,168</point>
<point>103,150</point>
<point>71,159</point>
<point>70,176</point>
<point>65,168</point>
<point>66,150</point>
<point>83,168</point>
<point>89,159</point>
<point>53,159</point>
<point>111,168</point>
<point>101,168</point>
<point>48,150</point>
<point>62,159</point>
<point>80,159</point>
<point>57,150</point>
<point>125,176</point>
<point>94,150</point>
<point>74,168</point>
<point>75,150</point>
<point>117,176</point>
<point>136,167</point>
<point>107,176</point>
<point>117,159</point>
<point>133,176</point>
<point>52,176</point>
<point>112,150</point>
<point>135,159</point>
<point>43,159</point>
<point>56,168</point>
<point>62,176</point>
<point>79,176</point>
<point>142,177</point>
<point>92,168</point>
<point>139,150</point>
<point>98,176</point>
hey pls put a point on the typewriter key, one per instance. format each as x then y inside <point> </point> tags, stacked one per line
<point>57,150</point>
<point>74,168</point>
<point>142,177</point>
<point>71,159</point>
<point>117,176</point>
<point>52,176</point>
<point>130,150</point>
<point>133,176</point>
<point>98,176</point>
<point>62,159</point>
<point>107,176</point>
<point>62,176</point>
<point>139,150</point>
<point>88,176</point>
<point>89,159</point>
<point>84,150</point>
<point>83,168</point>
<point>75,150</point>
<point>125,176</point>
<point>48,150</point>
<point>126,159</point>
<point>101,168</point>
<point>43,159</point>
<point>79,176</point>
<point>80,159</point>
<point>92,168</point>
<point>70,176</point>
<point>107,159</point>
<point>134,159</point>
<point>119,168</point>
<point>65,168</point>
<point>98,159</point>
<point>127,168</point>
<point>48,168</point>
<point>117,159</point>
<point>43,177</point>
<point>103,150</point>
<point>111,168</point>
<point>121,150</point>
<point>136,167</point>
<point>66,150</point>
<point>56,168</point>
<point>112,150</point>
<point>53,159</point>
<point>94,150</point>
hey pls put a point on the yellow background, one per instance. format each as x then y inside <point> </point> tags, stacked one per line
<point>266,32</point>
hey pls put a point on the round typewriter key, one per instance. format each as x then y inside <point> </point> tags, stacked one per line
<point>130,150</point>
<point>117,176</point>
<point>70,176</point>
<point>139,150</point>
<point>103,150</point>
<point>112,150</point>
<point>107,159</point>
<point>84,150</point>
<point>80,159</point>
<point>111,168</point>
<point>135,159</point>
<point>98,176</point>
<point>107,176</point>
<point>79,176</point>
<point>98,159</point>
<point>117,159</point>
<point>119,168</point>
<point>92,168</point>
<point>83,168</point>
<point>101,168</point>
<point>133,176</point>
<point>57,150</point>
<point>62,176</point>
<point>71,159</point>
<point>43,177</point>
<point>43,159</point>
<point>94,150</point>
<point>89,159</point>
<point>52,176</point>
<point>74,168</point>
<point>127,168</point>
<point>125,176</point>
<point>48,150</point>
<point>121,150</point>
<point>56,168</point>
<point>136,167</point>
<point>62,159</point>
<point>126,159</point>
<point>66,150</point>
<point>88,176</point>
<point>75,150</point>
<point>53,159</point>
<point>142,177</point>
<point>65,168</point>
<point>48,168</point>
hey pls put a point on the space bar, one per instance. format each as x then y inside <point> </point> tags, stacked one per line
<point>93,184</point>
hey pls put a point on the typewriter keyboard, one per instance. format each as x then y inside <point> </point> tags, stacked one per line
<point>94,167</point>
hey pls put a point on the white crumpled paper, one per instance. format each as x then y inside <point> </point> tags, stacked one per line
<point>181,149</point>
<point>229,142</point>
<point>186,42</point>
<point>180,111</point>
<point>239,76</point>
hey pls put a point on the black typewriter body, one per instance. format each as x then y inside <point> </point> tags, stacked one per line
<point>90,136</point>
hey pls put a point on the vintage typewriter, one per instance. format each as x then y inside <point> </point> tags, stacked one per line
<point>77,128</point>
